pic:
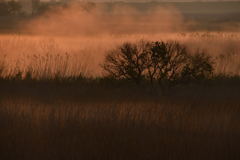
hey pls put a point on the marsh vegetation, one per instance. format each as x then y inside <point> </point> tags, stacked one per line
<point>53,107</point>
<point>125,85</point>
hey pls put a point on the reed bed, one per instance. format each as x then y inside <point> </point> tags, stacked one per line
<point>74,56</point>
<point>55,104</point>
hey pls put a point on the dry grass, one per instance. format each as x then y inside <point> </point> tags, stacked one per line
<point>74,56</point>
<point>102,119</point>
<point>92,122</point>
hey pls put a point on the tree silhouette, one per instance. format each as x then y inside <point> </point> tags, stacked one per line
<point>199,67</point>
<point>162,62</point>
<point>126,62</point>
<point>168,60</point>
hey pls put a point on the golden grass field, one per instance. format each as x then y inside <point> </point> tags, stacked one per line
<point>77,55</point>
<point>86,121</point>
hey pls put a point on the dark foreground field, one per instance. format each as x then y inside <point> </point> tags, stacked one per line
<point>96,120</point>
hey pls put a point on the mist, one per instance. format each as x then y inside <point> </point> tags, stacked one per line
<point>91,20</point>
<point>80,34</point>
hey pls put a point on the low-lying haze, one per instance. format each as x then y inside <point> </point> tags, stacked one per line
<point>74,39</point>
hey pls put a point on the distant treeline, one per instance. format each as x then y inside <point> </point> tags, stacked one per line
<point>21,8</point>
<point>207,16</point>
<point>8,8</point>
<point>193,8</point>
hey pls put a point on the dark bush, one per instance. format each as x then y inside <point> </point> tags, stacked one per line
<point>162,62</point>
<point>169,59</point>
<point>127,62</point>
<point>199,67</point>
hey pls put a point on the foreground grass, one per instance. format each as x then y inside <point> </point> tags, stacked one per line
<point>98,120</point>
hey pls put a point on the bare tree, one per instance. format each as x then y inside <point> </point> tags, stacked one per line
<point>199,67</point>
<point>163,62</point>
<point>171,57</point>
<point>126,62</point>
